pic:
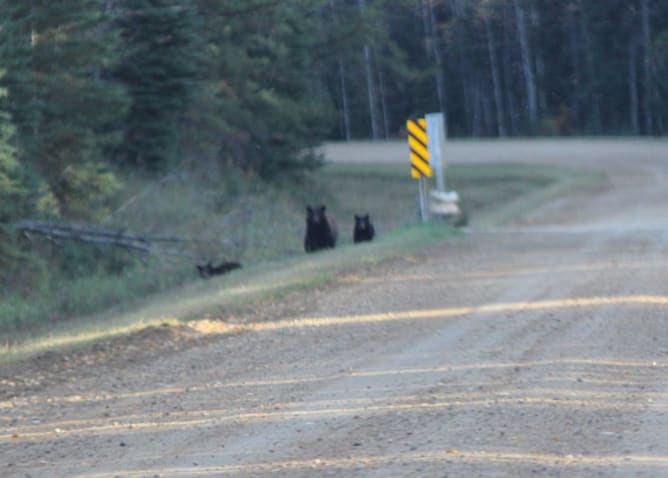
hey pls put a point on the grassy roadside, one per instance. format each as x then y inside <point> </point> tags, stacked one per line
<point>206,299</point>
<point>491,193</point>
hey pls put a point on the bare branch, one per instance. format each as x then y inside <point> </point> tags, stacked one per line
<point>95,235</point>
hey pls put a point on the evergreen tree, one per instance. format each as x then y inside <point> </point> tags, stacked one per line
<point>65,111</point>
<point>364,60</point>
<point>18,269</point>
<point>264,79</point>
<point>159,68</point>
<point>507,66</point>
<point>11,188</point>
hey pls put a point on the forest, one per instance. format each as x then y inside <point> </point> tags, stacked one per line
<point>94,91</point>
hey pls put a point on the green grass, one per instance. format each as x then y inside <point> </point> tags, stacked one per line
<point>262,227</point>
<point>205,299</point>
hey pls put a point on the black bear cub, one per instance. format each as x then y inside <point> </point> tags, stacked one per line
<point>364,230</point>
<point>321,230</point>
<point>207,270</point>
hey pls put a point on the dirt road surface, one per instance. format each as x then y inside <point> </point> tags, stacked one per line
<point>537,349</point>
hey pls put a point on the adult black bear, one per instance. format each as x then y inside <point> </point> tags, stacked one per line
<point>207,270</point>
<point>321,230</point>
<point>364,230</point>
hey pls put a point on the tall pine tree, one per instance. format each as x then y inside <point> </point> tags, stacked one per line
<point>162,45</point>
<point>11,188</point>
<point>264,82</point>
<point>66,113</point>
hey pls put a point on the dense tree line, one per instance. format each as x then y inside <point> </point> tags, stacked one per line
<point>506,67</point>
<point>92,87</point>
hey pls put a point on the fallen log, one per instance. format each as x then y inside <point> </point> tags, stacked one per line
<point>96,235</point>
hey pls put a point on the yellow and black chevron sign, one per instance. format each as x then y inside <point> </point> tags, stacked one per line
<point>417,143</point>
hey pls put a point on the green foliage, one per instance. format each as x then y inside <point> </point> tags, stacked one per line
<point>18,271</point>
<point>65,109</point>
<point>159,68</point>
<point>264,74</point>
<point>21,273</point>
<point>11,188</point>
<point>85,188</point>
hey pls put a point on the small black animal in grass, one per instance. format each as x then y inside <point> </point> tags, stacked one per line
<point>208,270</point>
<point>321,230</point>
<point>364,230</point>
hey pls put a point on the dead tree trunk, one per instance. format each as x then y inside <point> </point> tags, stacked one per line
<point>370,84</point>
<point>107,237</point>
<point>508,77</point>
<point>383,103</point>
<point>342,83</point>
<point>434,50</point>
<point>527,69</point>
<point>592,79</point>
<point>647,67</point>
<point>574,49</point>
<point>344,101</point>
<point>477,111</point>
<point>634,115</point>
<point>496,80</point>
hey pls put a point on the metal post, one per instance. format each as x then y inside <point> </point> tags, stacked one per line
<point>423,199</point>
<point>436,134</point>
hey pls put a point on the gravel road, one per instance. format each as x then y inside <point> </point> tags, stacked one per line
<point>538,349</point>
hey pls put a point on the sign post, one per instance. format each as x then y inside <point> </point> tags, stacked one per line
<point>420,167</point>
<point>426,142</point>
<point>436,146</point>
